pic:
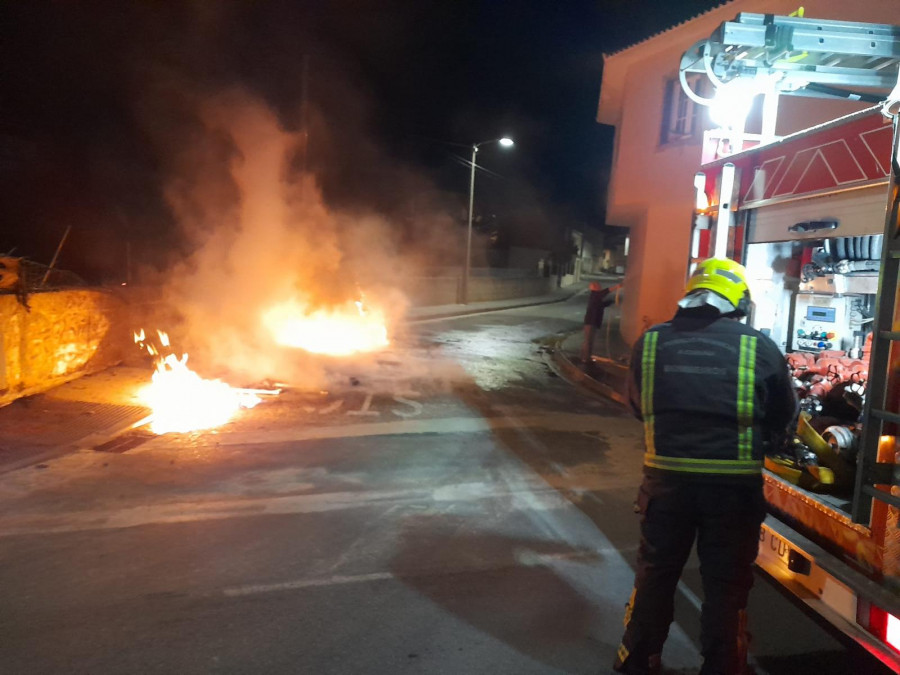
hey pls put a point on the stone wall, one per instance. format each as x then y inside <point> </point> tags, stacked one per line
<point>61,335</point>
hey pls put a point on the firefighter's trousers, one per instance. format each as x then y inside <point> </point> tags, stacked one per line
<point>725,519</point>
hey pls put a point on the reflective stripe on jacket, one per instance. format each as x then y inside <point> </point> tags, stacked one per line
<point>713,393</point>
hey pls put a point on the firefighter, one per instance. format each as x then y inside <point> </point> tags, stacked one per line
<point>598,300</point>
<point>714,395</point>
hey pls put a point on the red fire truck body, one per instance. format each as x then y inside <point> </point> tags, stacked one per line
<point>810,216</point>
<point>850,154</point>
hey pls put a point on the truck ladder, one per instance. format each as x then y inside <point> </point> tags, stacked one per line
<point>810,57</point>
<point>881,416</point>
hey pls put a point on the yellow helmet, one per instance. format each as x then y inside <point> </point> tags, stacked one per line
<point>724,277</point>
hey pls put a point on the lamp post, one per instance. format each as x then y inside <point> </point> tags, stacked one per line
<point>505,142</point>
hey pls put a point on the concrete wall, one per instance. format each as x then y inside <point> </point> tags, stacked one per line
<point>526,258</point>
<point>64,334</point>
<point>447,290</point>
<point>428,291</point>
<point>651,188</point>
<point>484,289</point>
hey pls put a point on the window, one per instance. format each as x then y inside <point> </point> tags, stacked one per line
<point>681,115</point>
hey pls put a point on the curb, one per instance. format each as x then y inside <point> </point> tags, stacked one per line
<point>488,310</point>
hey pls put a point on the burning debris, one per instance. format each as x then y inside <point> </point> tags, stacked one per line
<point>272,279</point>
<point>180,399</point>
<point>339,331</point>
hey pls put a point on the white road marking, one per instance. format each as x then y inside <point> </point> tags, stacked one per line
<point>527,494</point>
<point>524,558</point>
<point>690,596</point>
<point>364,410</point>
<point>332,407</point>
<point>415,405</point>
<point>256,589</point>
<point>441,425</point>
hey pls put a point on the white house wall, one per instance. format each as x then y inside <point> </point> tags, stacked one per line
<point>651,187</point>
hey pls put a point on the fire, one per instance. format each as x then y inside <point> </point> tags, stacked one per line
<point>339,331</point>
<point>183,401</point>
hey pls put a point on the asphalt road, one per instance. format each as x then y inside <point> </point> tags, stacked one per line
<point>451,506</point>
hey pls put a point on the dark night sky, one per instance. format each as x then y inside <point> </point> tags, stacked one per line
<point>86,89</point>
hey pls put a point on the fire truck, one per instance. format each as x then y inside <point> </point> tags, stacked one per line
<point>814,218</point>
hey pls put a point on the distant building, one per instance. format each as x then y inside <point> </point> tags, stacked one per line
<point>658,144</point>
<point>614,251</point>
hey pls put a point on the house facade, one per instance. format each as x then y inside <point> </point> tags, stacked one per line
<point>658,140</point>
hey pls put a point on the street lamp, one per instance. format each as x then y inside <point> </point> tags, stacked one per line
<point>506,143</point>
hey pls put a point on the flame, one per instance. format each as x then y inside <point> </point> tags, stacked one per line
<point>183,401</point>
<point>338,331</point>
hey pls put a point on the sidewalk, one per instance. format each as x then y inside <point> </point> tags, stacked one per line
<point>445,311</point>
<point>81,414</point>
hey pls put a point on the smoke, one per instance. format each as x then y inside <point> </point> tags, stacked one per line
<point>259,236</point>
<point>279,195</point>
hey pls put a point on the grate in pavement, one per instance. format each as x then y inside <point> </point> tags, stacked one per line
<point>125,442</point>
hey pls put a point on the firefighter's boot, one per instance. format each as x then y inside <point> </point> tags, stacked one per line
<point>628,664</point>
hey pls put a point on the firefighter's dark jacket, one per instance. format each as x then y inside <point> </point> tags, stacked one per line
<point>714,395</point>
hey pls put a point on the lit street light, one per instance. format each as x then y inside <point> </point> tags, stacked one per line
<point>505,142</point>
